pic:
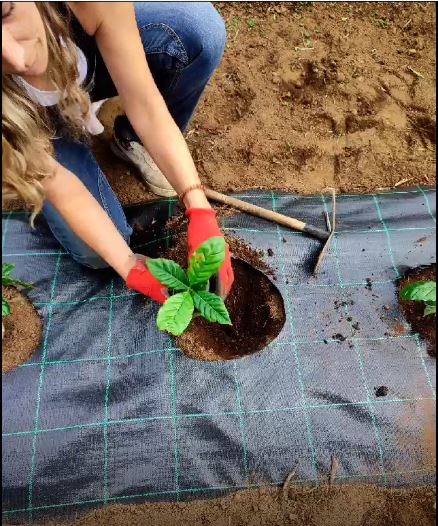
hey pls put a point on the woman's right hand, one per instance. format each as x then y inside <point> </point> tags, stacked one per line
<point>140,279</point>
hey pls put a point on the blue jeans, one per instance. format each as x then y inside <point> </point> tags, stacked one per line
<point>184,44</point>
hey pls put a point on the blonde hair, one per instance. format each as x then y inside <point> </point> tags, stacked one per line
<point>26,129</point>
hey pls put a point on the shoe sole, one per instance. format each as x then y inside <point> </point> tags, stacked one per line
<point>161,192</point>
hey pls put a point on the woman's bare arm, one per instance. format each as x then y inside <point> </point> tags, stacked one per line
<point>114,26</point>
<point>87,218</point>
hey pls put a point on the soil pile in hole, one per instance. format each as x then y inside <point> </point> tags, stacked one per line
<point>347,505</point>
<point>258,315</point>
<point>255,305</point>
<point>23,330</point>
<point>414,310</point>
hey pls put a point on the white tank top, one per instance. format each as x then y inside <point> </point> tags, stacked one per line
<point>51,98</point>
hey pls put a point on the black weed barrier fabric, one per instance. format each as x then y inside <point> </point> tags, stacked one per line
<point>110,411</point>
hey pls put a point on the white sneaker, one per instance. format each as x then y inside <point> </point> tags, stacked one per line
<point>126,145</point>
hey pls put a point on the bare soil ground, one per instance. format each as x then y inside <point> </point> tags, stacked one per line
<point>309,96</point>
<point>297,506</point>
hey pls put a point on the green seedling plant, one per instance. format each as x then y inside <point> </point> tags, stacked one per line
<point>190,289</point>
<point>424,291</point>
<point>7,269</point>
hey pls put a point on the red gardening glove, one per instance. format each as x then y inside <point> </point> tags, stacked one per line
<point>202,226</point>
<point>141,280</point>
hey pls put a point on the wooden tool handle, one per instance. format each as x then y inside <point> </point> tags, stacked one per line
<point>257,211</point>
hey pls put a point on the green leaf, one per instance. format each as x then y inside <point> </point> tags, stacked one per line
<point>6,309</point>
<point>212,307</point>
<point>420,291</point>
<point>16,283</point>
<point>207,260</point>
<point>7,268</point>
<point>176,314</point>
<point>430,310</point>
<point>168,273</point>
<point>201,286</point>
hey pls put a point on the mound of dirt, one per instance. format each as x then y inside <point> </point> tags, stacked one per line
<point>23,330</point>
<point>310,96</point>
<point>353,505</point>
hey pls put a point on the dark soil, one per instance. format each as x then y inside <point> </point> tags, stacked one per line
<point>257,320</point>
<point>338,505</point>
<point>414,310</point>
<point>23,330</point>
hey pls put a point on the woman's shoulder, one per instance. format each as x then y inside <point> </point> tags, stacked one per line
<point>88,14</point>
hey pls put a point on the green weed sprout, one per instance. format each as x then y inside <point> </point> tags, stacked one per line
<point>7,269</point>
<point>191,288</point>
<point>422,291</point>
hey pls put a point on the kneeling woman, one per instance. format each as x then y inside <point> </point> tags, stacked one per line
<point>59,60</point>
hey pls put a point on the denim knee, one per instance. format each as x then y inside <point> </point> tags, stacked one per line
<point>90,260</point>
<point>205,40</point>
<point>87,257</point>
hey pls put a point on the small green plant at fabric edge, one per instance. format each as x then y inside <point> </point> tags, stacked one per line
<point>191,288</point>
<point>424,291</point>
<point>7,269</point>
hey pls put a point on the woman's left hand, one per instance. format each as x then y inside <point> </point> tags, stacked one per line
<point>203,225</point>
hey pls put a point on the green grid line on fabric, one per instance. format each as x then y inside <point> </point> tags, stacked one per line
<point>309,285</point>
<point>241,415</point>
<point>107,392</point>
<point>362,370</point>
<point>176,454</point>
<point>426,200</point>
<point>174,425</point>
<point>318,480</point>
<point>358,354</point>
<point>291,321</point>
<point>419,189</point>
<point>244,412</point>
<point>237,229</point>
<point>41,384</point>
<point>299,342</point>
<point>388,236</point>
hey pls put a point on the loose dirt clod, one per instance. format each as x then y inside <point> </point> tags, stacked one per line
<point>381,391</point>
